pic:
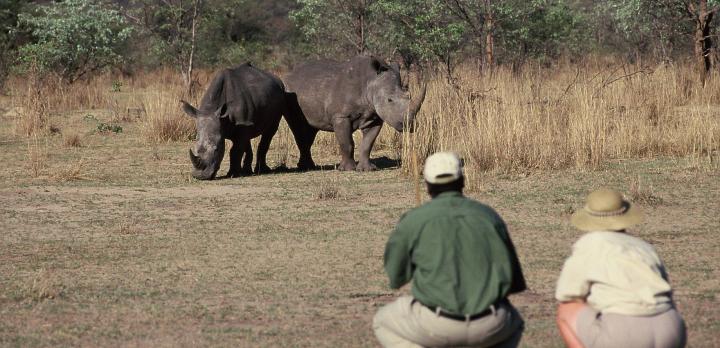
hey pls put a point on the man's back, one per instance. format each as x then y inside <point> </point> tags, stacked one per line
<point>458,252</point>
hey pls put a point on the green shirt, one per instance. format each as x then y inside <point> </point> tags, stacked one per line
<point>458,253</point>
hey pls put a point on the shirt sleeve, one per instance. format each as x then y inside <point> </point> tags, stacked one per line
<point>518,280</point>
<point>398,257</point>
<point>573,283</point>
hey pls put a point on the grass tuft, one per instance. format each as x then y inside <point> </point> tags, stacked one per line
<point>37,157</point>
<point>45,286</point>
<point>70,172</point>
<point>643,194</point>
<point>327,192</point>
<point>72,140</point>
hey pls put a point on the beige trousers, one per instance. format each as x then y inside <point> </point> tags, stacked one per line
<point>609,330</point>
<point>406,324</point>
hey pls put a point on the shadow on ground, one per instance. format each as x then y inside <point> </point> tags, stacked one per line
<point>381,163</point>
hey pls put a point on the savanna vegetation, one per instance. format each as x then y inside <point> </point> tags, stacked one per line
<point>107,240</point>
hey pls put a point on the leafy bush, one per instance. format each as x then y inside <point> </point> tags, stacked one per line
<point>9,10</point>
<point>103,127</point>
<point>74,38</point>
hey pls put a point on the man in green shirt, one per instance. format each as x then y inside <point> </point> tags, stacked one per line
<point>463,265</point>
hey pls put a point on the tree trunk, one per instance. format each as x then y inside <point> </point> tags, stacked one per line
<point>489,35</point>
<point>702,42</point>
<point>191,58</point>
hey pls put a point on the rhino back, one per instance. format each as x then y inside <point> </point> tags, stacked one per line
<point>252,95</point>
<point>325,88</point>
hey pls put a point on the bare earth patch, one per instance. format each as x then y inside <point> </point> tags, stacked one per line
<point>130,252</point>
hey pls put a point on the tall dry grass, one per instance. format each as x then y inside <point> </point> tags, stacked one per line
<point>164,119</point>
<point>573,116</point>
<point>149,97</point>
<point>512,121</point>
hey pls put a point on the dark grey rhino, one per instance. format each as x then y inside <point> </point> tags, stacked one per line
<point>342,97</point>
<point>240,104</point>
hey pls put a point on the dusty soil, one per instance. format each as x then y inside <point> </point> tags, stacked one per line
<point>113,244</point>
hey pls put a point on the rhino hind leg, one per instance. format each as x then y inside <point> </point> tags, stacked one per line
<point>240,166</point>
<point>306,162</point>
<point>247,159</point>
<point>302,131</point>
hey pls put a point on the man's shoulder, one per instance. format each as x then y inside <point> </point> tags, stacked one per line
<point>598,239</point>
<point>452,206</point>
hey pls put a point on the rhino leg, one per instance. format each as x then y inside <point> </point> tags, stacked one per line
<point>368,140</point>
<point>262,150</point>
<point>302,131</point>
<point>343,132</point>
<point>247,159</point>
<point>238,167</point>
<point>306,162</point>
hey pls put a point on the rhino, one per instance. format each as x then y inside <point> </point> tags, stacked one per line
<point>240,104</point>
<point>342,97</point>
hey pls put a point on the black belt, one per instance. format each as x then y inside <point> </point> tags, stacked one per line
<point>461,317</point>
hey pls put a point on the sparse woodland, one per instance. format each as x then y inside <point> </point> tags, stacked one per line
<point>106,240</point>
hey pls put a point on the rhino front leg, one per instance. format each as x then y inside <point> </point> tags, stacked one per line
<point>343,132</point>
<point>238,167</point>
<point>368,140</point>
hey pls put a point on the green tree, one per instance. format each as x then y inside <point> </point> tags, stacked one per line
<point>541,29</point>
<point>423,30</point>
<point>337,27</point>
<point>9,11</point>
<point>74,38</point>
<point>171,28</point>
<point>662,21</point>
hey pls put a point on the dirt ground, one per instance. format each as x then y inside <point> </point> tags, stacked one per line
<point>113,244</point>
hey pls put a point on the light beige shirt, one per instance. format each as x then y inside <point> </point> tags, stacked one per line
<point>615,273</point>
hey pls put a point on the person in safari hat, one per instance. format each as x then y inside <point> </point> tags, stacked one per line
<point>613,289</point>
<point>462,263</point>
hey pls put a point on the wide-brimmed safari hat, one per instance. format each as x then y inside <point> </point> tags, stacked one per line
<point>443,168</point>
<point>606,209</point>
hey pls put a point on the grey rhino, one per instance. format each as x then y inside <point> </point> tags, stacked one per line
<point>241,103</point>
<point>342,97</point>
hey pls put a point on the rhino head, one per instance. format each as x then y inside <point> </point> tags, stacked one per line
<point>392,100</point>
<point>207,153</point>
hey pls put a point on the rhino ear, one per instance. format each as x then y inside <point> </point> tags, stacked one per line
<point>189,109</point>
<point>222,111</point>
<point>379,66</point>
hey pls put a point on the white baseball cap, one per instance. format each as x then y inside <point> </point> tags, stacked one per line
<point>443,168</point>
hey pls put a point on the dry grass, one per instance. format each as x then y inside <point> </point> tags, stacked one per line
<point>643,194</point>
<point>36,160</point>
<point>70,172</point>
<point>33,115</point>
<point>72,140</point>
<point>165,120</point>
<point>575,116</point>
<point>44,285</point>
<point>327,190</point>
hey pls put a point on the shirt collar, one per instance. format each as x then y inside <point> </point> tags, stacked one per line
<point>448,194</point>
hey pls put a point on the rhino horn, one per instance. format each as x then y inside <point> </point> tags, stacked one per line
<point>196,161</point>
<point>417,102</point>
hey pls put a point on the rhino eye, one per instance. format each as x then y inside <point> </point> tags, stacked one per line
<point>390,100</point>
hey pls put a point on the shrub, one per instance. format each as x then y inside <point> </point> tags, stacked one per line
<point>74,38</point>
